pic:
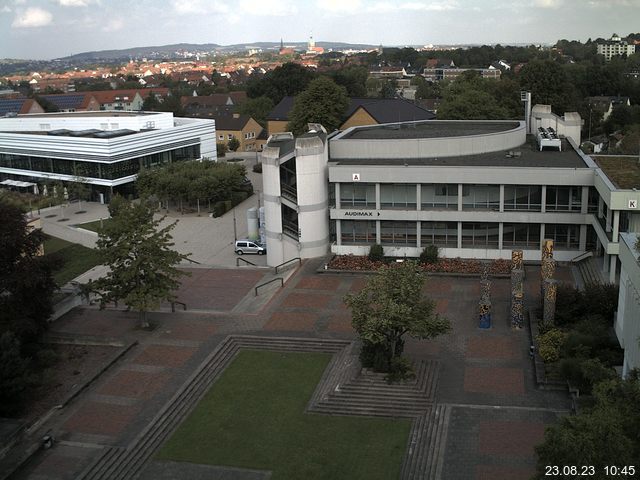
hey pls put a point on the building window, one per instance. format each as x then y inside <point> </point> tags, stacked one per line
<point>230,136</point>
<point>523,198</point>
<point>439,196</point>
<point>362,195</point>
<point>480,235</point>
<point>398,195</point>
<point>564,199</point>
<point>441,234</point>
<point>357,232</point>
<point>563,236</point>
<point>220,137</point>
<point>525,235</point>
<point>45,126</point>
<point>398,233</point>
<point>481,197</point>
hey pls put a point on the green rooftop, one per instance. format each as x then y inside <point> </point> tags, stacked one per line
<point>624,172</point>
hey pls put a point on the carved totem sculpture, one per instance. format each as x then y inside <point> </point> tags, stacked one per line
<point>517,289</point>
<point>484,307</point>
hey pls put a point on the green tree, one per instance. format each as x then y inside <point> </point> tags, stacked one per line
<point>26,282</point>
<point>16,375</point>
<point>549,85</point>
<point>287,80</point>
<point>234,144</point>
<point>353,78</point>
<point>142,266</point>
<point>392,305</point>
<point>388,88</point>
<point>470,104</point>
<point>221,149</point>
<point>258,109</point>
<point>80,189</point>
<point>322,102</point>
<point>606,434</point>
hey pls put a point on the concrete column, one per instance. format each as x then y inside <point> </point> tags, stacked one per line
<point>378,203</point>
<point>338,232</point>
<point>583,238</point>
<point>378,233</point>
<point>600,206</point>
<point>543,200</point>
<point>418,230</point>
<point>459,234</point>
<point>418,197</point>
<point>605,263</point>
<point>584,207</point>
<point>608,222</point>
<point>616,225</point>
<point>459,197</point>
<point>501,200</point>
<point>337,193</point>
<point>500,233</point>
<point>612,268</point>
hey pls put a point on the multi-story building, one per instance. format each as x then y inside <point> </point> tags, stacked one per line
<point>627,323</point>
<point>448,73</point>
<point>475,189</point>
<point>615,46</point>
<point>103,149</point>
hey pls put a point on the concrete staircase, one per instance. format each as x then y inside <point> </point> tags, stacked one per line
<point>370,394</point>
<point>590,271</point>
<point>424,458</point>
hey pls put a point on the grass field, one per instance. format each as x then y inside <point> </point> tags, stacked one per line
<point>253,417</point>
<point>74,259</point>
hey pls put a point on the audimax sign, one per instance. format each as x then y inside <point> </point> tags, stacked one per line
<point>361,213</point>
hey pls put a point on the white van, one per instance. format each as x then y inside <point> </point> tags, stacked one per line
<point>249,246</point>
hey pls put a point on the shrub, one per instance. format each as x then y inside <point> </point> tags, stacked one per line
<point>221,149</point>
<point>234,144</point>
<point>238,197</point>
<point>376,253</point>
<point>257,168</point>
<point>374,356</point>
<point>401,369</point>
<point>430,254</point>
<point>219,208</point>
<point>549,344</point>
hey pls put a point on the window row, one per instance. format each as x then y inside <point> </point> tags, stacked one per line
<point>107,171</point>
<point>445,234</point>
<point>474,197</point>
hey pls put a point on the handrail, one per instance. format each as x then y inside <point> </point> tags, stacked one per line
<point>582,256</point>
<point>267,283</point>
<point>173,305</point>
<point>288,261</point>
<point>245,261</point>
<point>192,261</point>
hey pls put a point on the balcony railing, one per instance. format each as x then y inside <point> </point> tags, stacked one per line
<point>291,193</point>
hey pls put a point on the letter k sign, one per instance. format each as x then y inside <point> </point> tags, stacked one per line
<point>633,203</point>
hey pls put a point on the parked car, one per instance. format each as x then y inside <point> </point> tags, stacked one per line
<point>249,246</point>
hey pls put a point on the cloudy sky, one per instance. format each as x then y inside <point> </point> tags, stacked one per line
<point>44,29</point>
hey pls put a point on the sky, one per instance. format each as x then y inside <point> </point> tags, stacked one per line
<point>46,29</point>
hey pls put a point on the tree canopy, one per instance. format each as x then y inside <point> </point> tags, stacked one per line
<point>257,108</point>
<point>322,102</point>
<point>392,305</point>
<point>287,80</point>
<point>142,266</point>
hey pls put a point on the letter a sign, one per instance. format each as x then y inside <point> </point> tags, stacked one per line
<point>356,177</point>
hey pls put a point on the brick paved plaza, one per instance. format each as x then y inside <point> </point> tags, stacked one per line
<point>486,376</point>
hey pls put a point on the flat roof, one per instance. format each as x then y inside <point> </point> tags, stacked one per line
<point>526,155</point>
<point>97,113</point>
<point>623,171</point>
<point>429,129</point>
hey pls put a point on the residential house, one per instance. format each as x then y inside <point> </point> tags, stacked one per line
<point>606,104</point>
<point>361,111</point>
<point>74,102</point>
<point>127,100</point>
<point>209,106</point>
<point>19,106</point>
<point>242,127</point>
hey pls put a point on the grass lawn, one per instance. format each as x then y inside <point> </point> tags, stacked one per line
<point>624,171</point>
<point>253,417</point>
<point>93,226</point>
<point>74,259</point>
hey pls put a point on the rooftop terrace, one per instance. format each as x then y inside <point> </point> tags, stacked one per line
<point>526,155</point>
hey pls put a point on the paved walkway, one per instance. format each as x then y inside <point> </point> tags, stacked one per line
<point>498,414</point>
